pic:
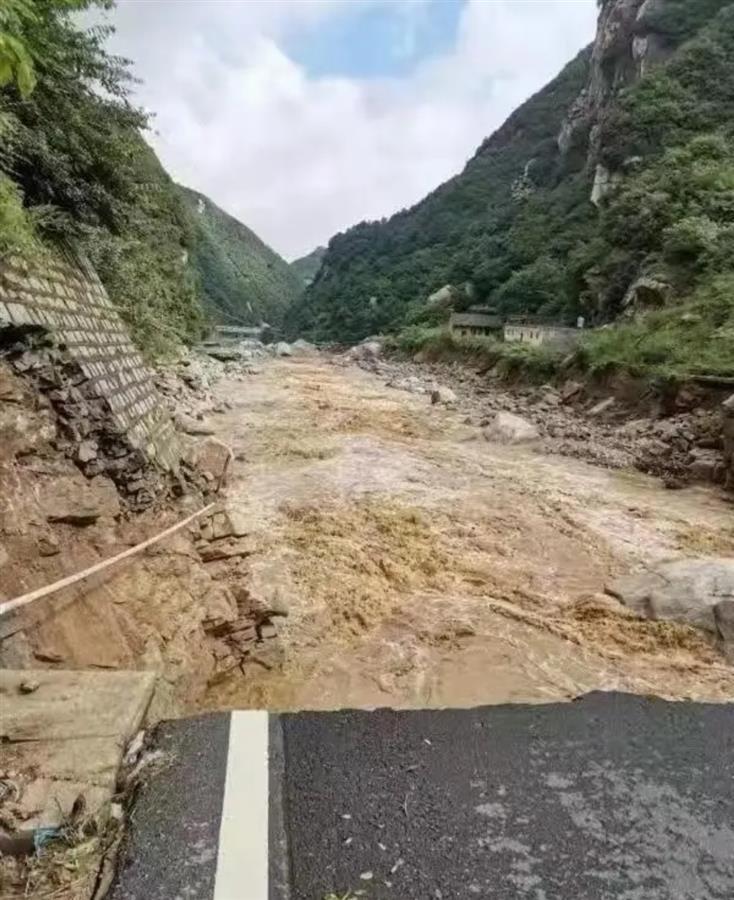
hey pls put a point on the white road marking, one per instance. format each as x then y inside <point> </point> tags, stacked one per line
<point>242,859</point>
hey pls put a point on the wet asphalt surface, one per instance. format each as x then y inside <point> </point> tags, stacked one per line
<point>611,796</point>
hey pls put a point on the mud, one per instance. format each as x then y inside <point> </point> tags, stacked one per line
<point>423,566</point>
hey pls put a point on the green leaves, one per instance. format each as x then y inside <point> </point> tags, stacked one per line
<point>16,60</point>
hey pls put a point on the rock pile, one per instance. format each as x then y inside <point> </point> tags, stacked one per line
<point>695,443</point>
<point>81,424</point>
<point>240,623</point>
<point>250,349</point>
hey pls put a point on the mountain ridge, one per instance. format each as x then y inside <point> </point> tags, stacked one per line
<point>242,279</point>
<point>607,194</point>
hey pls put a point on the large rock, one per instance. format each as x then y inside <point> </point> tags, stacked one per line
<point>441,394</point>
<point>507,428</point>
<point>304,348</point>
<point>647,292</point>
<point>282,349</point>
<point>367,350</point>
<point>210,456</point>
<point>697,592</point>
<point>223,354</point>
<point>79,501</point>
<point>195,427</point>
<point>25,428</point>
<point>706,465</point>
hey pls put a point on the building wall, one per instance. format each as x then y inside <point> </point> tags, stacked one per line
<point>542,334</point>
<point>65,297</point>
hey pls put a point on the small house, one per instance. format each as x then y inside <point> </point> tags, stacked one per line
<point>477,321</point>
<point>537,333</point>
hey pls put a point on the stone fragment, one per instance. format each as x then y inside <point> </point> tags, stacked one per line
<point>77,501</point>
<point>192,426</point>
<point>507,428</point>
<point>87,451</point>
<point>226,549</point>
<point>211,456</point>
<point>441,394</point>
<point>600,408</point>
<point>48,545</point>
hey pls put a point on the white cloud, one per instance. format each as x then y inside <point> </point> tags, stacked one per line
<point>299,158</point>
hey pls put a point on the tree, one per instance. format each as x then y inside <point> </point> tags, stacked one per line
<point>16,61</point>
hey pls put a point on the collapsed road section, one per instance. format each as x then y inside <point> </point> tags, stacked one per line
<point>612,796</point>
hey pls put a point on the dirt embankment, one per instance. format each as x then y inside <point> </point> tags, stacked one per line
<point>683,434</point>
<point>73,494</point>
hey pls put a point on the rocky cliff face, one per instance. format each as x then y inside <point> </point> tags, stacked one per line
<point>628,42</point>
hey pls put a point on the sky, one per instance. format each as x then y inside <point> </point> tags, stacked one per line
<point>303,117</point>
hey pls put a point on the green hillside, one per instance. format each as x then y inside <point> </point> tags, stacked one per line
<point>242,279</point>
<point>307,266</point>
<point>73,166</point>
<point>377,275</point>
<point>518,227</point>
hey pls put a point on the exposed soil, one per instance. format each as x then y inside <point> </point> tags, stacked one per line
<point>422,565</point>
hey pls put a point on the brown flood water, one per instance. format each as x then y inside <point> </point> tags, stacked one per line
<point>425,567</point>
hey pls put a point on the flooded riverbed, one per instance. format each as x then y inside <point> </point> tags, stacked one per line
<point>422,565</point>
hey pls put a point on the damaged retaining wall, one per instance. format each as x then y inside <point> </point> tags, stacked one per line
<point>65,297</point>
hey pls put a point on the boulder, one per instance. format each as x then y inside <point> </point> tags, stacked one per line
<point>571,390</point>
<point>304,348</point>
<point>507,428</point>
<point>223,354</point>
<point>87,451</point>
<point>706,465</point>
<point>549,395</point>
<point>210,456</point>
<point>24,428</point>
<point>647,292</point>
<point>367,350</point>
<point>225,523</point>
<point>78,501</point>
<point>282,349</point>
<point>697,592</point>
<point>442,394</point>
<point>192,426</point>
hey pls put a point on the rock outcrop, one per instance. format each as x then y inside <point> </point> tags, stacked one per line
<point>627,44</point>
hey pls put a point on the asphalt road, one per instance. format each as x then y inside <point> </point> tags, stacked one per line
<point>611,796</point>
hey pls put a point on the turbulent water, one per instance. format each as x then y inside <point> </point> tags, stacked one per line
<point>424,566</point>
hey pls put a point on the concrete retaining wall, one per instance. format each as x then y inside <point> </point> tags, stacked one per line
<point>65,297</point>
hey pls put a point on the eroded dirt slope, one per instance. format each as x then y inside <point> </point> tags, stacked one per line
<point>424,566</point>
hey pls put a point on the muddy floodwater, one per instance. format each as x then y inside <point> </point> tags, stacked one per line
<point>423,566</point>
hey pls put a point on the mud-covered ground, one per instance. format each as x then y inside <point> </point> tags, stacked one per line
<point>422,565</point>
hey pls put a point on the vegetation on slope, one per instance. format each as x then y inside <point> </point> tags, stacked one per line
<point>73,166</point>
<point>307,267</point>
<point>519,226</point>
<point>243,281</point>
<point>377,275</point>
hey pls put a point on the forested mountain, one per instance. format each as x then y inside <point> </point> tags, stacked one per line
<point>307,266</point>
<point>610,191</point>
<point>242,279</point>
